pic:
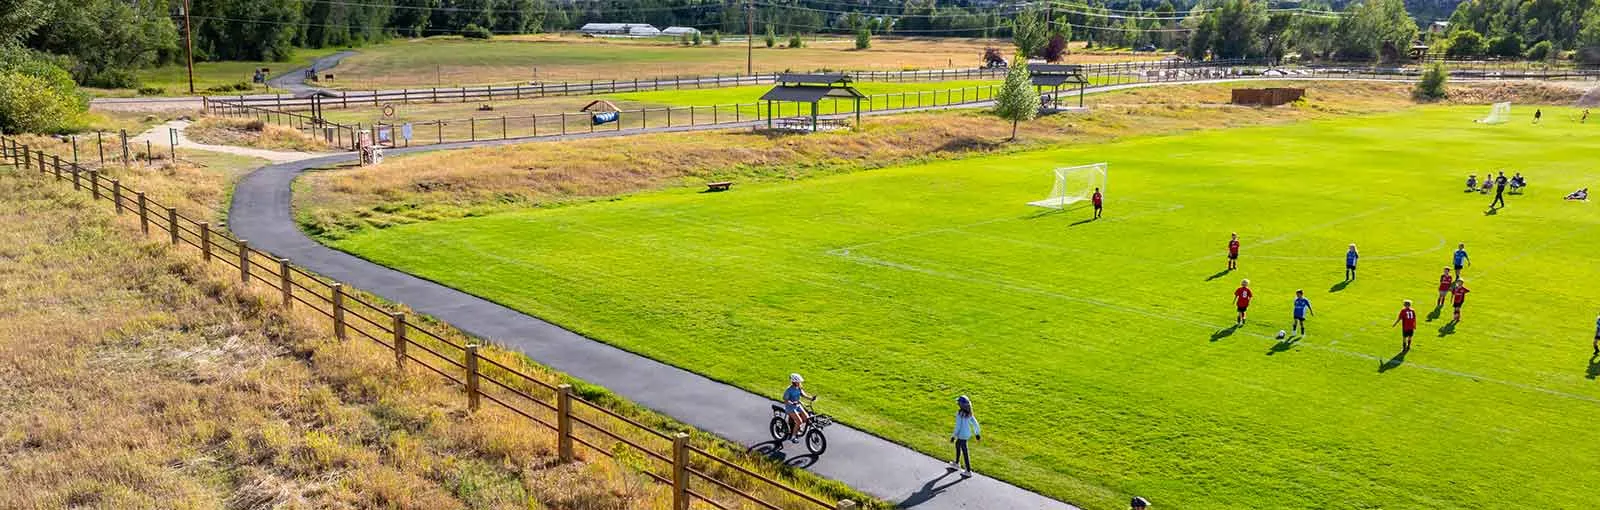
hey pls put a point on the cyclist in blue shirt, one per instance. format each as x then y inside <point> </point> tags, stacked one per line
<point>1350,263</point>
<point>1460,259</point>
<point>797,412</point>
<point>1302,308</point>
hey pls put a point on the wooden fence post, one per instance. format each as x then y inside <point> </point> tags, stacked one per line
<point>58,170</point>
<point>144,215</point>
<point>338,310</point>
<point>244,262</point>
<point>76,185</point>
<point>472,377</point>
<point>205,241</point>
<point>399,342</point>
<point>285,284</point>
<point>41,162</point>
<point>172,224</point>
<point>57,160</point>
<point>564,422</point>
<point>94,183</point>
<point>680,471</point>
<point>26,157</point>
<point>116,196</point>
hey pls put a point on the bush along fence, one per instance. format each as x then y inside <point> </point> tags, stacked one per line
<point>704,474</point>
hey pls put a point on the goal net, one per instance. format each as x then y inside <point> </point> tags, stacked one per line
<point>1500,112</point>
<point>1074,184</point>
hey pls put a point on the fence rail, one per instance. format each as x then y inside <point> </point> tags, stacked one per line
<point>727,484</point>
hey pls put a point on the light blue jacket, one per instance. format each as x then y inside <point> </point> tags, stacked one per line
<point>966,426</point>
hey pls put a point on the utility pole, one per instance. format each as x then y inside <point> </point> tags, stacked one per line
<point>750,38</point>
<point>188,43</point>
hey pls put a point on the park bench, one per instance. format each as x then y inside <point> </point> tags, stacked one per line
<point>719,186</point>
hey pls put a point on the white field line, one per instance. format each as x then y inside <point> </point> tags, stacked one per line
<point>1287,236</point>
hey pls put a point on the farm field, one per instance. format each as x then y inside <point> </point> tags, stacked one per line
<point>174,79</point>
<point>451,61</point>
<point>1098,354</point>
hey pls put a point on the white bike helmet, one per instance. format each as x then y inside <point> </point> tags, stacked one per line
<point>795,378</point>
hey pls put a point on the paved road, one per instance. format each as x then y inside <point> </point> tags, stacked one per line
<point>294,81</point>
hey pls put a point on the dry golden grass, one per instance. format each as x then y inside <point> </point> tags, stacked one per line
<point>171,386</point>
<point>480,181</point>
<point>452,61</point>
<point>253,133</point>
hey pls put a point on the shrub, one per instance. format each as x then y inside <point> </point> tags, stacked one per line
<point>1541,51</point>
<point>683,39</point>
<point>772,37</point>
<point>697,38</point>
<point>796,42</point>
<point>863,38</point>
<point>473,31</point>
<point>1055,49</point>
<point>151,91</point>
<point>716,38</point>
<point>1464,43</point>
<point>116,78</point>
<point>1432,85</point>
<point>30,104</point>
<point>992,57</point>
<point>1509,45</point>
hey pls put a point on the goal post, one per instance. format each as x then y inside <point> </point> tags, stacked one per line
<point>1074,184</point>
<point>1499,113</point>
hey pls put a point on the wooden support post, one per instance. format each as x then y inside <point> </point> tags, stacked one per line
<point>172,225</point>
<point>338,310</point>
<point>76,185</point>
<point>285,284</point>
<point>116,196</point>
<point>399,342</point>
<point>472,377</point>
<point>564,422</point>
<point>680,471</point>
<point>244,262</point>
<point>205,241</point>
<point>144,215</point>
<point>26,157</point>
<point>58,169</point>
<point>94,183</point>
<point>55,159</point>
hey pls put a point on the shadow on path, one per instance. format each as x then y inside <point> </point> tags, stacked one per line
<point>1393,363</point>
<point>1283,345</point>
<point>774,450</point>
<point>931,489</point>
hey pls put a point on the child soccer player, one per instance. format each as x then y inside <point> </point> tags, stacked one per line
<point>1350,262</point>
<point>1460,259</point>
<point>1241,298</point>
<point>1233,252</point>
<point>1460,291</point>
<point>1408,325</point>
<point>1098,200</point>
<point>1302,307</point>
<point>1445,282</point>
<point>1537,114</point>
<point>1472,183</point>
<point>1597,336</point>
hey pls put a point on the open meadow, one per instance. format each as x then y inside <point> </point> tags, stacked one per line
<point>1099,354</point>
<point>453,61</point>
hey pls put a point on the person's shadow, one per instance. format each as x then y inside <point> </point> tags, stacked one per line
<point>1219,274</point>
<point>1449,328</point>
<point>1224,332</point>
<point>1492,211</point>
<point>1283,345</point>
<point>930,489</point>
<point>1434,315</point>
<point>1594,367</point>
<point>1340,286</point>
<point>1083,221</point>
<point>1393,363</point>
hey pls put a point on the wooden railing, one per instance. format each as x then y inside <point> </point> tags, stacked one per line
<point>697,475</point>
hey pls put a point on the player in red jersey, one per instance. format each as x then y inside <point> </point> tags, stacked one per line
<point>1233,252</point>
<point>1445,282</point>
<point>1099,201</point>
<point>1408,325</point>
<point>1241,298</point>
<point>1460,291</point>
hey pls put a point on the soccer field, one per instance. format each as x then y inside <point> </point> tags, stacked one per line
<point>1096,352</point>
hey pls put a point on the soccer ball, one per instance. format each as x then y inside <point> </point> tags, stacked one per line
<point>1282,334</point>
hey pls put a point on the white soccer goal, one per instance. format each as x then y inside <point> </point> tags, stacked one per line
<point>1500,112</point>
<point>1074,184</point>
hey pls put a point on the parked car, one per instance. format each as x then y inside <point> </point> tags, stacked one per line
<point>1147,47</point>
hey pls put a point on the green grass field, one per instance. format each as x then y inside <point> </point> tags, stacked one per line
<point>1096,352</point>
<point>174,79</point>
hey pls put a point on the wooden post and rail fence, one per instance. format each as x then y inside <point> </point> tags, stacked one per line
<point>699,476</point>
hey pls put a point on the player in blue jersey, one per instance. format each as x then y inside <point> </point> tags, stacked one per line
<point>1350,258</point>
<point>1460,259</point>
<point>1302,308</point>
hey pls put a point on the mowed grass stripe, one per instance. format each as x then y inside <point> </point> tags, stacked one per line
<point>1092,348</point>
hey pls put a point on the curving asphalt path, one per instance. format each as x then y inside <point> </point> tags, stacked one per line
<point>295,80</point>
<point>261,212</point>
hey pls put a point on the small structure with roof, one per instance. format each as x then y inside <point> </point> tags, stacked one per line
<point>1054,76</point>
<point>811,89</point>
<point>680,31</point>
<point>634,29</point>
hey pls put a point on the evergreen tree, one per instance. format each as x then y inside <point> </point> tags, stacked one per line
<point>1028,34</point>
<point>1017,100</point>
<point>772,37</point>
<point>863,38</point>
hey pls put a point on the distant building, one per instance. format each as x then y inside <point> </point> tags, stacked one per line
<point>680,31</point>
<point>1439,27</point>
<point>637,29</point>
